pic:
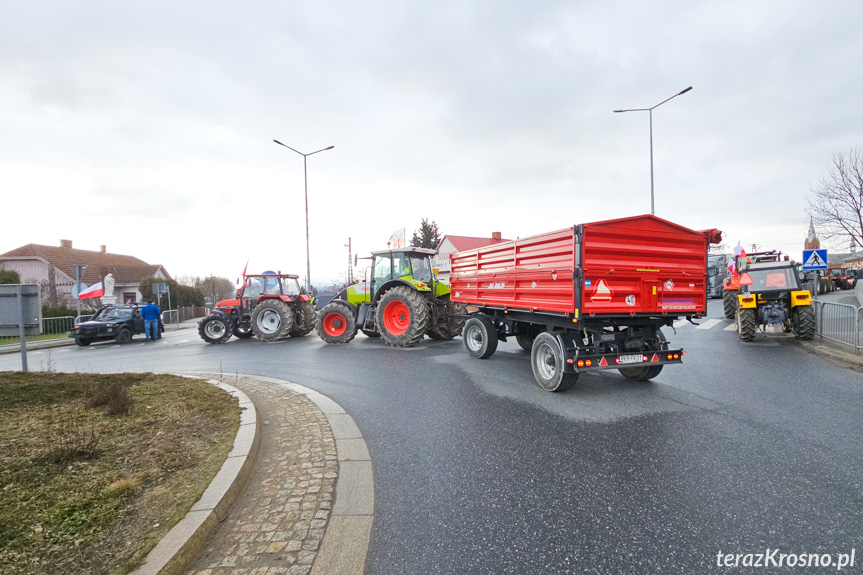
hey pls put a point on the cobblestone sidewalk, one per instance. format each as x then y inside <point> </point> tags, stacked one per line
<point>277,524</point>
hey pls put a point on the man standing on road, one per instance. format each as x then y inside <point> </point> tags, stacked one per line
<point>151,314</point>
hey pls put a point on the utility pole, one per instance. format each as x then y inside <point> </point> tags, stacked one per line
<point>350,263</point>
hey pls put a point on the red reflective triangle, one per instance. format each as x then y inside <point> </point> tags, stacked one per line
<point>603,362</point>
<point>654,358</point>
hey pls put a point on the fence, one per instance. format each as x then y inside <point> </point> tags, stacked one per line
<point>52,328</point>
<point>840,323</point>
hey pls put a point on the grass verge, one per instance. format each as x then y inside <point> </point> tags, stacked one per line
<point>96,468</point>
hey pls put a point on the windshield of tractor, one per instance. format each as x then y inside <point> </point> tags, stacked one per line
<point>291,286</point>
<point>773,279</point>
<point>422,269</point>
<point>836,272</point>
<point>401,265</point>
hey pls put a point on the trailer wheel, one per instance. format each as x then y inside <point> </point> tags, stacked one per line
<point>370,333</point>
<point>729,303</point>
<point>272,320</point>
<point>480,337</point>
<point>547,362</point>
<point>304,320</point>
<point>337,323</point>
<point>215,328</point>
<point>525,341</point>
<point>746,325</point>
<point>402,317</point>
<point>803,322</point>
<point>640,373</point>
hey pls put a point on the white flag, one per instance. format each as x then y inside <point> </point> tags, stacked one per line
<point>397,240</point>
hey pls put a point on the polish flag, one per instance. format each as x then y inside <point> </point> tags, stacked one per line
<point>95,290</point>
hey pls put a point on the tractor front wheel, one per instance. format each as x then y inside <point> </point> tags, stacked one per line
<point>402,317</point>
<point>215,328</point>
<point>547,362</point>
<point>746,324</point>
<point>729,303</point>
<point>337,323</point>
<point>272,320</point>
<point>803,322</point>
<point>480,337</point>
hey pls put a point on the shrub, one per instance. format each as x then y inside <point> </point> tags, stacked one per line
<point>115,397</point>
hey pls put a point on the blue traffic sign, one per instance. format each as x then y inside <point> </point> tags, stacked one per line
<point>814,260</point>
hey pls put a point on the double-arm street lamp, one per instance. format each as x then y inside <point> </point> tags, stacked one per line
<point>650,110</point>
<point>306,177</point>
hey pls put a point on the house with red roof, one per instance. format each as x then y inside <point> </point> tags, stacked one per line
<point>452,244</point>
<point>52,267</point>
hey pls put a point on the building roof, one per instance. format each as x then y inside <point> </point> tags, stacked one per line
<point>125,269</point>
<point>464,243</point>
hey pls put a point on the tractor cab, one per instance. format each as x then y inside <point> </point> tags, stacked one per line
<point>410,265</point>
<point>269,284</point>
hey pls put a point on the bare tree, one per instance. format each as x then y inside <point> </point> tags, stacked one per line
<point>836,205</point>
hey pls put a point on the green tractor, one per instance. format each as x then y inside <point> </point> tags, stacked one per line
<point>401,302</point>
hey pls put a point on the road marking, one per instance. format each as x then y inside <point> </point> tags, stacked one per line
<point>708,324</point>
<point>731,327</point>
<point>680,323</point>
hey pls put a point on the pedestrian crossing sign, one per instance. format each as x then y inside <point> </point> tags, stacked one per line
<point>814,259</point>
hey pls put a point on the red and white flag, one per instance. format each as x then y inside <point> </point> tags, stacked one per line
<point>397,240</point>
<point>95,290</point>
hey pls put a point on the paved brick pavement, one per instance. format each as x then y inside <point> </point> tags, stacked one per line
<point>277,524</point>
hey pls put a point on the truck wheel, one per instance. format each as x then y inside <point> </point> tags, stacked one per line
<point>803,322</point>
<point>123,336</point>
<point>215,328</point>
<point>337,323</point>
<point>525,341</point>
<point>83,341</point>
<point>480,337</point>
<point>746,325</point>
<point>547,362</point>
<point>402,317</point>
<point>304,322</point>
<point>272,320</point>
<point>370,333</point>
<point>729,303</point>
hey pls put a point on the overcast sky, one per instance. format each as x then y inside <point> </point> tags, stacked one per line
<point>149,127</point>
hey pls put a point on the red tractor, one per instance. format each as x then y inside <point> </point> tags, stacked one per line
<point>268,306</point>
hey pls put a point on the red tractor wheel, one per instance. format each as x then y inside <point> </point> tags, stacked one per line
<point>402,317</point>
<point>337,323</point>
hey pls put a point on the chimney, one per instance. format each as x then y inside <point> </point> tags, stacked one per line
<point>495,235</point>
<point>66,244</point>
<point>103,248</point>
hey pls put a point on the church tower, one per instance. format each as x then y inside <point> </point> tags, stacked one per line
<point>812,242</point>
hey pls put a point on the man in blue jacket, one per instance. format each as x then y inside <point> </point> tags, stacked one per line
<point>151,314</point>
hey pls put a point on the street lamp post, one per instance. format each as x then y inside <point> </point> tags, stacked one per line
<point>650,110</point>
<point>306,178</point>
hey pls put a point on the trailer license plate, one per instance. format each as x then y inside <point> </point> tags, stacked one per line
<point>631,358</point>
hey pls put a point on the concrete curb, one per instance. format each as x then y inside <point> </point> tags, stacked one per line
<point>346,541</point>
<point>186,540</point>
<point>824,350</point>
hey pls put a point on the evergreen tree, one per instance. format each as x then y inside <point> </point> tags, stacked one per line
<point>427,236</point>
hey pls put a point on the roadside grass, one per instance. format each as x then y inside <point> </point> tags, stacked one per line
<point>29,338</point>
<point>96,468</point>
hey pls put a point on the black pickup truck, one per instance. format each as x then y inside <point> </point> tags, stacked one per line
<point>117,322</point>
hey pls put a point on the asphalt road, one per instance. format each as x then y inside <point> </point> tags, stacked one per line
<point>744,447</point>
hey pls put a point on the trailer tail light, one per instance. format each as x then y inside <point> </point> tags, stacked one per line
<point>569,361</point>
<point>748,299</point>
<point>801,296</point>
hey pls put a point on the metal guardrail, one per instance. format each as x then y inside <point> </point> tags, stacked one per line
<point>170,316</point>
<point>51,326</point>
<point>840,323</point>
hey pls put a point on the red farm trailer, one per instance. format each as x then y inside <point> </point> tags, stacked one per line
<point>585,298</point>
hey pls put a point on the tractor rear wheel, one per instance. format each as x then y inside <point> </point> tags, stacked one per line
<point>304,320</point>
<point>746,324</point>
<point>337,323</point>
<point>215,328</point>
<point>480,337</point>
<point>803,322</point>
<point>729,303</point>
<point>272,320</point>
<point>402,317</point>
<point>547,362</point>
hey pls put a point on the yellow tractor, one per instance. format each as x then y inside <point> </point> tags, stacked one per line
<point>770,294</point>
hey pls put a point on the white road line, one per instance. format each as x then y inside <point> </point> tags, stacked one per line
<point>680,323</point>
<point>731,327</point>
<point>708,324</point>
